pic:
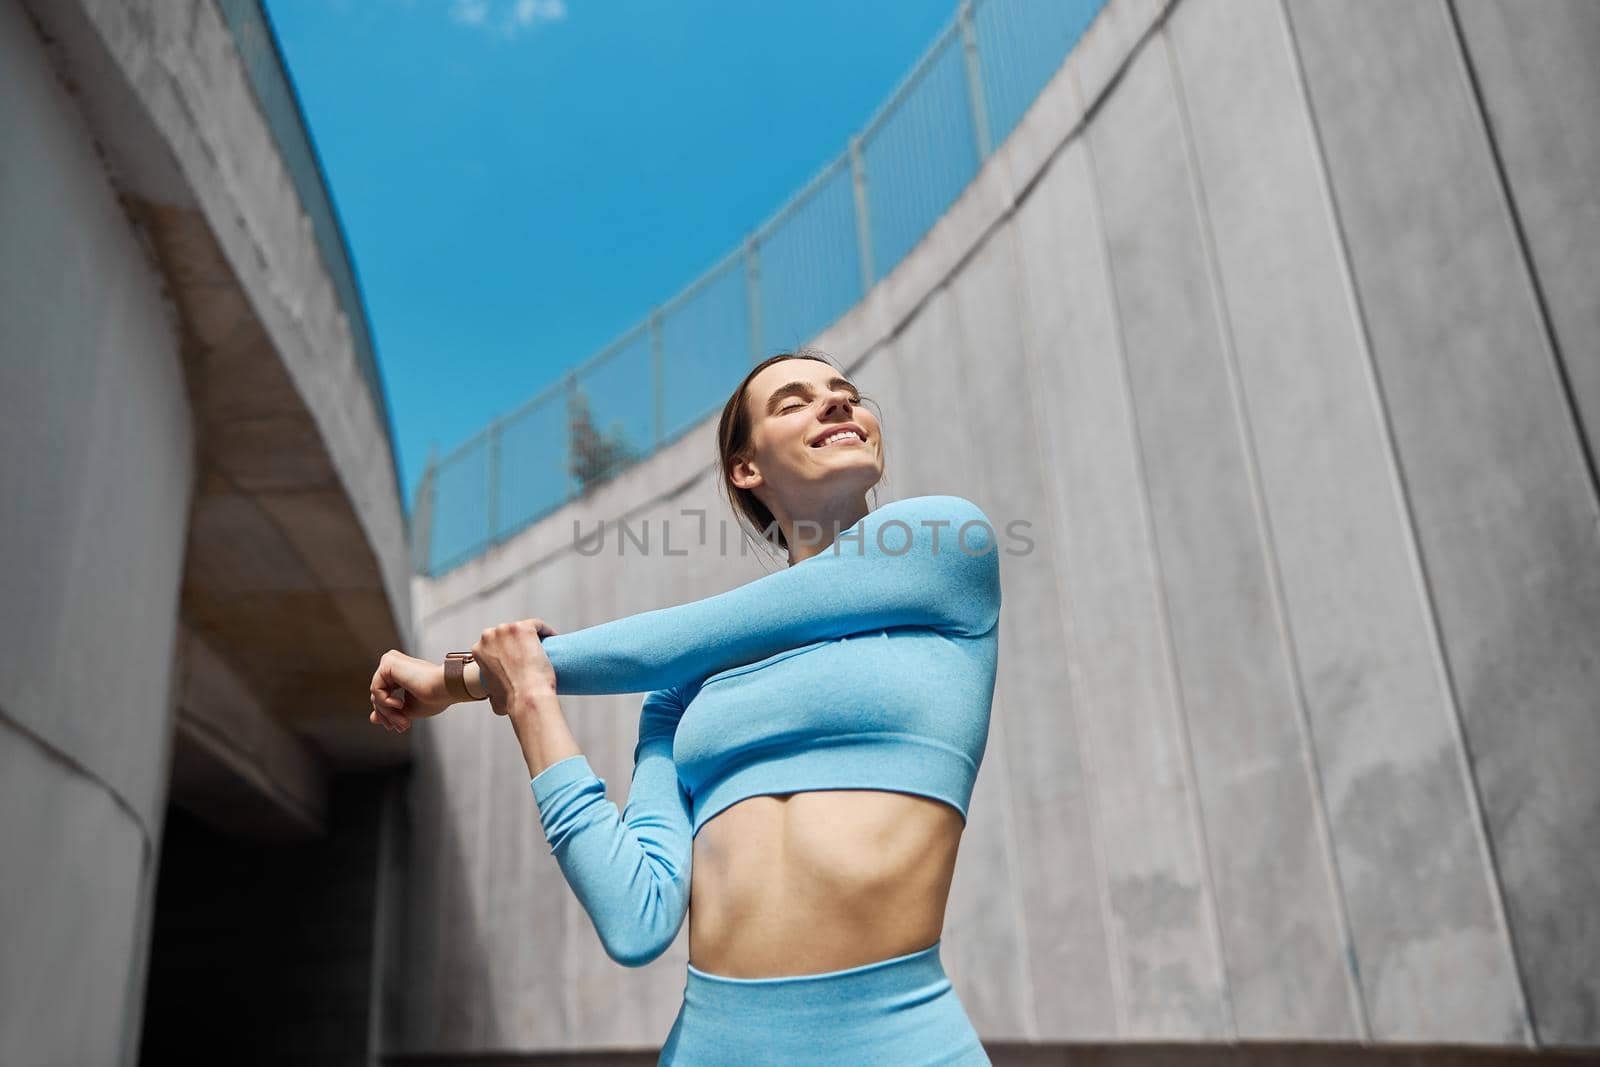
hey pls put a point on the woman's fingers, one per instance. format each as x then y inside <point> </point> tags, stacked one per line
<point>376,689</point>
<point>395,722</point>
<point>381,698</point>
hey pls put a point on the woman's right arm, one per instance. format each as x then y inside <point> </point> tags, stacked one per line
<point>629,870</point>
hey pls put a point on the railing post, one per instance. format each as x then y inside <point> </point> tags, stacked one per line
<point>752,285</point>
<point>969,47</point>
<point>657,371</point>
<point>494,481</point>
<point>858,181</point>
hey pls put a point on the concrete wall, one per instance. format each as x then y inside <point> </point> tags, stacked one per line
<point>96,462</point>
<point>1276,322</point>
<point>187,445</point>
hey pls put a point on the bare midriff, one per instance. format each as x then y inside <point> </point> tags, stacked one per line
<point>803,883</point>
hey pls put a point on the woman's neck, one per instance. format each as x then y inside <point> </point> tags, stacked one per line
<point>811,531</point>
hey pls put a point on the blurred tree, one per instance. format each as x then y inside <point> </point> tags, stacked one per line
<point>594,457</point>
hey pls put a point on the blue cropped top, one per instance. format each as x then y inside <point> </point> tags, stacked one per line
<point>870,665</point>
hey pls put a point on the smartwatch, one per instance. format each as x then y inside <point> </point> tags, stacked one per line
<point>455,682</point>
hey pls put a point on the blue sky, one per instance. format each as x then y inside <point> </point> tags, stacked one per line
<point>522,180</point>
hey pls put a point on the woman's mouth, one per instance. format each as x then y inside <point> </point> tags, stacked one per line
<point>843,437</point>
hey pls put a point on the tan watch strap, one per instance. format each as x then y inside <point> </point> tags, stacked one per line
<point>454,682</point>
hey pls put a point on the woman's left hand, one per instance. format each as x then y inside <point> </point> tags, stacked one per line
<point>512,664</point>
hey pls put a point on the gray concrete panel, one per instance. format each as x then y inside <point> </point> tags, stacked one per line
<point>1538,84</point>
<point>1499,494</point>
<point>982,942</point>
<point>1205,563</point>
<point>438,948</point>
<point>1061,883</point>
<point>96,448</point>
<point>96,463</point>
<point>459,985</point>
<point>69,906</point>
<point>931,458</point>
<point>1071,339</point>
<point>1354,616</point>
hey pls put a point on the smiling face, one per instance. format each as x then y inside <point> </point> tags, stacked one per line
<point>812,440</point>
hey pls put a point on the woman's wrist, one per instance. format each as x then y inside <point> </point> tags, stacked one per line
<point>542,732</point>
<point>533,702</point>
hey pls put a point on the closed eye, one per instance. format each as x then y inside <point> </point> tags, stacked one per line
<point>796,405</point>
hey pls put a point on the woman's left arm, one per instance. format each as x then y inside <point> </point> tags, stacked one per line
<point>912,562</point>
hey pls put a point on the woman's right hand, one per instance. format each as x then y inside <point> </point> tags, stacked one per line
<point>405,688</point>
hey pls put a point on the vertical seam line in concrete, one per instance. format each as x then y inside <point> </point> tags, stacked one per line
<point>1057,565</point>
<point>1263,521</point>
<point>1107,918</point>
<point>1347,278</point>
<point>1398,482</point>
<point>1008,821</point>
<point>1525,253</point>
<point>1158,595</point>
<point>1463,742</point>
<point>1180,709</point>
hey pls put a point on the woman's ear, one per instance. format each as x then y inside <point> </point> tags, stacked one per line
<point>744,474</point>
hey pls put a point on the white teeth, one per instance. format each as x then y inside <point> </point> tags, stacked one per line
<point>831,438</point>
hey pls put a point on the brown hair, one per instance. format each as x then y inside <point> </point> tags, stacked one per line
<point>733,438</point>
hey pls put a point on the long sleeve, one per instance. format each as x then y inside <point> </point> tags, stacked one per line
<point>630,871</point>
<point>923,561</point>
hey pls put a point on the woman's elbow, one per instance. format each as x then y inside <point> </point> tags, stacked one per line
<point>638,943</point>
<point>638,951</point>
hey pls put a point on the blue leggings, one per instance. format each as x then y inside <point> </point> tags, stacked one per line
<point>900,1011</point>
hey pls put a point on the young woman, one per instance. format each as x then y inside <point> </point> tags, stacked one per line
<point>807,748</point>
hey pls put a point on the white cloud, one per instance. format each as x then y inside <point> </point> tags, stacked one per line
<point>471,12</point>
<point>528,12</point>
<point>507,17</point>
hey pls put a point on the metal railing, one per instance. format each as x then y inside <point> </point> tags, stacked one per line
<point>788,280</point>
<point>257,45</point>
